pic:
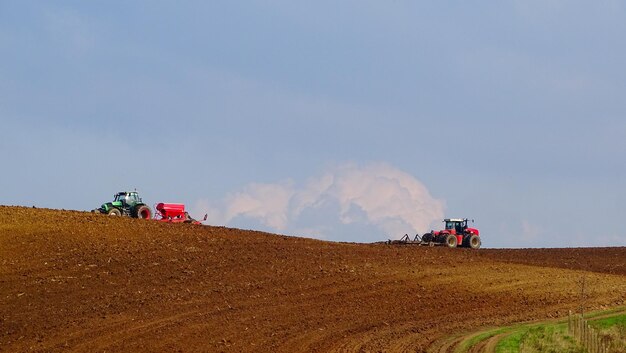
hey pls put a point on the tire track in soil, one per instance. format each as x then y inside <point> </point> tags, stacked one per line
<point>450,344</point>
<point>488,345</point>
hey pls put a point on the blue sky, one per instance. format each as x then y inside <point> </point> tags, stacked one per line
<point>339,120</point>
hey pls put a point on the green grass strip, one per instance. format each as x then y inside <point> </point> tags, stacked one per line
<point>549,336</point>
<point>510,343</point>
<point>605,323</point>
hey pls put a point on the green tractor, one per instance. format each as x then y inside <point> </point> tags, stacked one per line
<point>126,203</point>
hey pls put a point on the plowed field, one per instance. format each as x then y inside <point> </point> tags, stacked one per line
<point>78,282</point>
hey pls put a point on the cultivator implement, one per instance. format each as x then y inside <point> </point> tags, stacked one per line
<point>407,240</point>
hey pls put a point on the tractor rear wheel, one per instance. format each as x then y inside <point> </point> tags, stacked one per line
<point>114,212</point>
<point>143,212</point>
<point>474,242</point>
<point>451,241</point>
<point>427,238</point>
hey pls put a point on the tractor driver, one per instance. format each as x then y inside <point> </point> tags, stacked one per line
<point>125,200</point>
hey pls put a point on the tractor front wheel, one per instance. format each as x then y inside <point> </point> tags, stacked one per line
<point>143,212</point>
<point>114,212</point>
<point>451,241</point>
<point>474,242</point>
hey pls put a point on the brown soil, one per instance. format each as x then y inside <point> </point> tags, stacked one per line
<point>80,282</point>
<point>601,260</point>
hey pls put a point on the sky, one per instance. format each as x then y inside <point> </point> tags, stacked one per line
<point>354,121</point>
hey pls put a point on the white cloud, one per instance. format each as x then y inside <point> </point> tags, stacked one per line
<point>376,195</point>
<point>267,202</point>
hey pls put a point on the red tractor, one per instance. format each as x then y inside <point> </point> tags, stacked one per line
<point>457,233</point>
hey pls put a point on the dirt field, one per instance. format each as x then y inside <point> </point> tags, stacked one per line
<point>73,281</point>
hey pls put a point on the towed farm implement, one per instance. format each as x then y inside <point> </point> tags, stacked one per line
<point>174,213</point>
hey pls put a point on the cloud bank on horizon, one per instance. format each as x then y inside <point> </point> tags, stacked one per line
<point>354,196</point>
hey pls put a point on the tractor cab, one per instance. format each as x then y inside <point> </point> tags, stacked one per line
<point>130,198</point>
<point>457,224</point>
